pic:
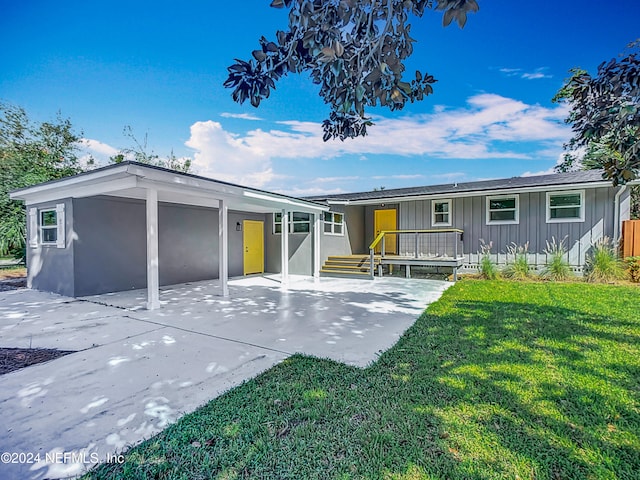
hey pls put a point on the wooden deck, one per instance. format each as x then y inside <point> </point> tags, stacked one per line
<point>359,265</point>
<point>423,261</point>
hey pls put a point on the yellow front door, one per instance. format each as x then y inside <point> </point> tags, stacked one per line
<point>386,220</point>
<point>253,244</point>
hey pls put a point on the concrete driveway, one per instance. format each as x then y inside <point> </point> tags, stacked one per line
<point>136,371</point>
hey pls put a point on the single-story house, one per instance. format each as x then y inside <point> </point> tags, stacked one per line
<point>131,225</point>
<point>576,208</point>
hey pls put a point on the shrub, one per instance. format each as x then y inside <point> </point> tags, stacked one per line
<point>557,267</point>
<point>488,269</point>
<point>633,268</point>
<point>518,268</point>
<point>603,264</point>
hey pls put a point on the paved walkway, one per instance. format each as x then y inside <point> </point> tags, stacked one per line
<point>136,371</point>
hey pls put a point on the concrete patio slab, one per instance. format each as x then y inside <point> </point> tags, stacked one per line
<point>346,320</point>
<point>32,319</point>
<point>140,370</point>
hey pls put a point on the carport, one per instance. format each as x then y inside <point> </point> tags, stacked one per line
<point>58,260</point>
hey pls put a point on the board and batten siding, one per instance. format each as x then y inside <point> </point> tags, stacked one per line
<point>469,215</point>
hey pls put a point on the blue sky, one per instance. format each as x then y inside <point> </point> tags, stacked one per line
<point>159,67</point>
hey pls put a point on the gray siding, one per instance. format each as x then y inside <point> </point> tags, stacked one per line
<point>187,243</point>
<point>331,244</point>
<point>51,268</point>
<point>469,214</point>
<point>108,253</point>
<point>301,244</point>
<point>300,250</point>
<point>356,229</point>
<point>110,245</point>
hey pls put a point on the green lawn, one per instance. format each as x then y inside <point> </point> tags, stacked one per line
<point>496,380</point>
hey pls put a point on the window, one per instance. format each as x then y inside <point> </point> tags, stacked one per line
<point>441,213</point>
<point>565,206</point>
<point>298,222</point>
<point>503,210</point>
<point>333,223</point>
<point>48,227</point>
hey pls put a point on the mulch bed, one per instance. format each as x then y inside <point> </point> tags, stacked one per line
<point>12,283</point>
<point>16,358</point>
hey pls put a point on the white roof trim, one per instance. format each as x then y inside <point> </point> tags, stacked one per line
<point>117,179</point>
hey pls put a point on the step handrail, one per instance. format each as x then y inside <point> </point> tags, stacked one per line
<point>380,238</point>
<point>382,233</point>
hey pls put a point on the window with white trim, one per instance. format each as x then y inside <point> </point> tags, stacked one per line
<point>441,213</point>
<point>503,210</point>
<point>565,206</point>
<point>49,227</point>
<point>299,222</point>
<point>333,223</point>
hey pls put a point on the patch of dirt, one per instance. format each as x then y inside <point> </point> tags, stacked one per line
<point>12,359</point>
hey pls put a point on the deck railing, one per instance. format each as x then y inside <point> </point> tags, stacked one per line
<point>443,242</point>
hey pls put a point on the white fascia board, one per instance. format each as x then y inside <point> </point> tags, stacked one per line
<point>67,184</point>
<point>89,189</point>
<point>278,203</point>
<point>338,202</point>
<point>478,193</point>
<point>176,181</point>
<point>245,201</point>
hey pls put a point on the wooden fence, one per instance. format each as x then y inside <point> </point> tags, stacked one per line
<point>630,238</point>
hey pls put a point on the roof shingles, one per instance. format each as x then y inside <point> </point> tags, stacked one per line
<point>568,178</point>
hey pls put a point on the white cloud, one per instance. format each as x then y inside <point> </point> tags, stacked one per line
<point>97,147</point>
<point>548,171</point>
<point>241,116</point>
<point>538,73</point>
<point>488,127</point>
<point>511,72</point>
<point>224,156</point>
<point>309,191</point>
<point>335,179</point>
<point>398,177</point>
<point>535,75</point>
<point>95,150</point>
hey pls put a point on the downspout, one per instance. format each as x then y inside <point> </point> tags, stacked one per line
<point>616,214</point>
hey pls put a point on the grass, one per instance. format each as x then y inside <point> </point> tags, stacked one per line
<point>496,380</point>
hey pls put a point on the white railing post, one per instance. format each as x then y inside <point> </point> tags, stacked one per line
<point>372,263</point>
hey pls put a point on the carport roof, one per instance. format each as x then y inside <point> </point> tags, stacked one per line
<point>132,179</point>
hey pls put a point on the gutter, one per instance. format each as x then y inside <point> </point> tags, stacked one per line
<point>616,214</point>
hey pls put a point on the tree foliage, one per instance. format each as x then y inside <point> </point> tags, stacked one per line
<point>139,152</point>
<point>605,117</point>
<point>30,153</point>
<point>353,49</point>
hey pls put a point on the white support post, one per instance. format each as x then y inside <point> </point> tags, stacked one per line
<point>284,249</point>
<point>153,277</point>
<point>223,247</point>
<point>317,229</point>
